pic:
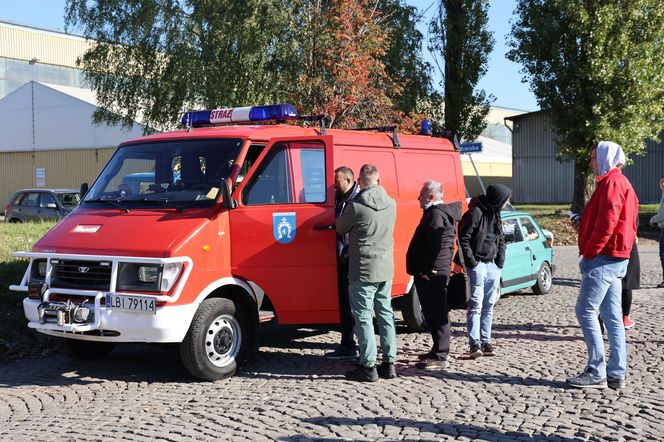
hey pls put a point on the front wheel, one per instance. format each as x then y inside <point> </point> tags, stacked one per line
<point>544,280</point>
<point>83,350</point>
<point>217,340</point>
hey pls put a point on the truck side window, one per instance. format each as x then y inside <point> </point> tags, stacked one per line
<point>312,162</point>
<point>252,155</point>
<point>512,231</point>
<point>271,183</point>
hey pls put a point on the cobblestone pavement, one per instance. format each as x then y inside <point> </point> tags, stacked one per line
<point>288,392</point>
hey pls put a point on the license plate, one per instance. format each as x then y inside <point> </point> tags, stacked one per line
<point>131,303</point>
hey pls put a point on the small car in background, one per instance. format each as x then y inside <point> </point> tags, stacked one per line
<point>528,254</point>
<point>41,204</point>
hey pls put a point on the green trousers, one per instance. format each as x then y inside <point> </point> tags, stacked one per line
<point>366,298</point>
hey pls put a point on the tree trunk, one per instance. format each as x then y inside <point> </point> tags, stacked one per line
<point>582,186</point>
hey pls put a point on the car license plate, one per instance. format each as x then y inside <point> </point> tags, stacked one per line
<point>131,303</point>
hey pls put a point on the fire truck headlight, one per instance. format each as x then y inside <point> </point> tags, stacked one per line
<point>169,275</point>
<point>148,274</point>
<point>38,271</point>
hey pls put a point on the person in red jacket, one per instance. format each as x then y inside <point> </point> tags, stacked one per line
<point>606,235</point>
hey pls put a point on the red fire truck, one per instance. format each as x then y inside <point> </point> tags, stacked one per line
<point>232,225</point>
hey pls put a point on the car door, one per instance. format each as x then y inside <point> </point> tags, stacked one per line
<point>48,207</point>
<point>535,242</point>
<point>282,231</point>
<point>30,207</point>
<point>517,270</point>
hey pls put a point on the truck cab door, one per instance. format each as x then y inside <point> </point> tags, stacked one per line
<point>282,232</point>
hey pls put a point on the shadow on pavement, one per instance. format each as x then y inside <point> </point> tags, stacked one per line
<point>473,432</point>
<point>567,282</point>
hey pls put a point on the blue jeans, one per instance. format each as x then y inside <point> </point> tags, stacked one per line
<point>484,286</point>
<point>366,298</point>
<point>601,287</point>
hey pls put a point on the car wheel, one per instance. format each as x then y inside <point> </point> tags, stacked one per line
<point>544,280</point>
<point>217,340</point>
<point>412,311</point>
<point>83,350</point>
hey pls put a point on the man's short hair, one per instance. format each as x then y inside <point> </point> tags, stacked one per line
<point>346,171</point>
<point>369,172</point>
<point>435,188</point>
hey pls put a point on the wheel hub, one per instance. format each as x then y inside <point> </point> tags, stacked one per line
<point>223,340</point>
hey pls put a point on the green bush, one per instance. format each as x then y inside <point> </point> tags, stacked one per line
<point>16,339</point>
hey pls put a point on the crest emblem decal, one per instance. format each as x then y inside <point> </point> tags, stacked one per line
<point>283,226</point>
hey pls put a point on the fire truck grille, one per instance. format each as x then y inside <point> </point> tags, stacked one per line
<point>86,275</point>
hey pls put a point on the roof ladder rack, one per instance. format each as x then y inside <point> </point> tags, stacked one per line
<point>393,129</point>
<point>320,118</point>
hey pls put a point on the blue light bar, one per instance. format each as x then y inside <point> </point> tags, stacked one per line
<point>240,115</point>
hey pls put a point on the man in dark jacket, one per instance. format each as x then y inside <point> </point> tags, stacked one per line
<point>483,247</point>
<point>429,260</point>
<point>346,189</point>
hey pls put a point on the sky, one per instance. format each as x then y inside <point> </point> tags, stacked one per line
<point>502,80</point>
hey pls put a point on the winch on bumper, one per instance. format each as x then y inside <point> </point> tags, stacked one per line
<point>64,313</point>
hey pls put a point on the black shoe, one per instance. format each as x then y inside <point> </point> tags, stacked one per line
<point>362,374</point>
<point>343,352</point>
<point>660,285</point>
<point>386,370</point>
<point>475,352</point>
<point>488,350</point>
<point>433,364</point>
<point>427,355</point>
<point>615,383</point>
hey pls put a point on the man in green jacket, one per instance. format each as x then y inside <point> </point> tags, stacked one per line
<point>369,221</point>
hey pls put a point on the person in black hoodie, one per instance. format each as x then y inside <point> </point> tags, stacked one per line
<point>483,246</point>
<point>429,260</point>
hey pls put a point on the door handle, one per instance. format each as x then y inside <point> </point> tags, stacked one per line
<point>324,227</point>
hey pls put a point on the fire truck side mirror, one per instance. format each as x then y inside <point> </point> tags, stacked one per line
<point>227,200</point>
<point>83,190</point>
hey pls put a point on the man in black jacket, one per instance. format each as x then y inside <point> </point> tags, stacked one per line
<point>429,260</point>
<point>483,246</point>
<point>346,189</point>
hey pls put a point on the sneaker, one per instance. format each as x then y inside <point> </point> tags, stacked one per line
<point>342,352</point>
<point>386,370</point>
<point>362,374</point>
<point>587,380</point>
<point>660,285</point>
<point>475,352</point>
<point>628,322</point>
<point>488,350</point>
<point>433,364</point>
<point>615,383</point>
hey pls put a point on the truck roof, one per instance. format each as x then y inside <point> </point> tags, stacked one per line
<point>264,133</point>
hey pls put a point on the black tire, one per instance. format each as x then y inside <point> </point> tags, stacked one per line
<point>217,341</point>
<point>84,350</point>
<point>544,280</point>
<point>412,311</point>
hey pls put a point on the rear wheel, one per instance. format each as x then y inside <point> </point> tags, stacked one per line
<point>544,280</point>
<point>84,350</point>
<point>412,311</point>
<point>217,340</point>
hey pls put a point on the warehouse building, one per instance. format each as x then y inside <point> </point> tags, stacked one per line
<point>538,178</point>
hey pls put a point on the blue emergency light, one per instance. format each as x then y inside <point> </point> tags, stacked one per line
<point>240,115</point>
<point>425,127</point>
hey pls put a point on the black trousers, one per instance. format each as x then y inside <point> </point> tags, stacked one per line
<point>433,299</point>
<point>345,315</point>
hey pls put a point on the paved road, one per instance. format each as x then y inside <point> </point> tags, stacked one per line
<point>288,392</point>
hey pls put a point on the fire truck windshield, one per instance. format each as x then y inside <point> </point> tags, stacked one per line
<point>182,173</point>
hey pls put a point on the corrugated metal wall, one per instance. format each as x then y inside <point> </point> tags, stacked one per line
<point>64,169</point>
<point>536,175</point>
<point>646,171</point>
<point>539,178</point>
<point>24,43</point>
